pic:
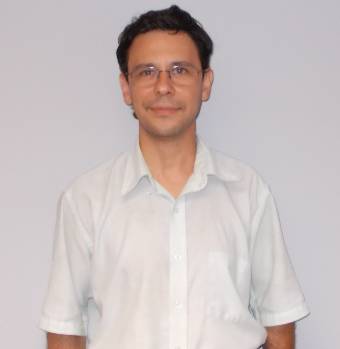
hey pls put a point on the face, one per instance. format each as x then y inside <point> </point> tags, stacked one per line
<point>165,108</point>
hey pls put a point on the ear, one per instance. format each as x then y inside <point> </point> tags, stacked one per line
<point>208,80</point>
<point>124,85</point>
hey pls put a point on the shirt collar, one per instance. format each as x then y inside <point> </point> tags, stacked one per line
<point>205,164</point>
<point>135,170</point>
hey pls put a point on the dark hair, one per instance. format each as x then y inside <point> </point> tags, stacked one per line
<point>172,19</point>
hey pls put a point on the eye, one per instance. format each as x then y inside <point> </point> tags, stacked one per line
<point>147,72</point>
<point>179,70</point>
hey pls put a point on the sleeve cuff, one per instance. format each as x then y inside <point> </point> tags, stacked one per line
<point>292,315</point>
<point>62,327</point>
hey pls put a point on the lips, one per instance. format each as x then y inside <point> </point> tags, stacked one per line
<point>164,108</point>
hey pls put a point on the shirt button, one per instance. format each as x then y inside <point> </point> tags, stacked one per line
<point>177,257</point>
<point>178,304</point>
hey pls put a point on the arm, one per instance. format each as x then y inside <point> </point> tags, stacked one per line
<point>65,307</point>
<point>60,341</point>
<point>280,337</point>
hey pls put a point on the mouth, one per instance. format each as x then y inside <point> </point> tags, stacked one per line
<point>164,109</point>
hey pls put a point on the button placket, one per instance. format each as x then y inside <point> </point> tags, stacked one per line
<point>178,277</point>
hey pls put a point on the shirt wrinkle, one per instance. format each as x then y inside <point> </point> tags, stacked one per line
<point>165,273</point>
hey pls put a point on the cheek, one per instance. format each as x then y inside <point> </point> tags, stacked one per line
<point>140,97</point>
<point>194,99</point>
<point>189,95</point>
<point>189,98</point>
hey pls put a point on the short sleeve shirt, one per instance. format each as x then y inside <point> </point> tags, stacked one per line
<point>134,267</point>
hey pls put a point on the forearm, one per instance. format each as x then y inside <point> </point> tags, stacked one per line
<point>59,341</point>
<point>280,337</point>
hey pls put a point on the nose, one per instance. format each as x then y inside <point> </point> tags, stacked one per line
<point>164,84</point>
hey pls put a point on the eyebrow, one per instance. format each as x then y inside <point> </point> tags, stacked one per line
<point>181,63</point>
<point>143,65</point>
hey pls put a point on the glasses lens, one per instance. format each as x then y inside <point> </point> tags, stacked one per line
<point>183,73</point>
<point>144,74</point>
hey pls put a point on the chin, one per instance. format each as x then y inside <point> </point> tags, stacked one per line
<point>166,132</point>
<point>164,125</point>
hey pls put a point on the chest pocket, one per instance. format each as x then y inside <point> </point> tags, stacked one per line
<point>228,286</point>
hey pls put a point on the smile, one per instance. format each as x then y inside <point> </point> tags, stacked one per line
<point>164,109</point>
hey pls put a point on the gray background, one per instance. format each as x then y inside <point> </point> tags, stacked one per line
<point>275,105</point>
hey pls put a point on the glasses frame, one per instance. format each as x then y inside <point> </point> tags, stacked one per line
<point>170,71</point>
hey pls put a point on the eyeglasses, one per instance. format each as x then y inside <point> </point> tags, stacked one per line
<point>182,74</point>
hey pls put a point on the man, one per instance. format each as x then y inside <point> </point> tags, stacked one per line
<point>175,245</point>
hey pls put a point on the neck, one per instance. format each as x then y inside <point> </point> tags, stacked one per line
<point>170,159</point>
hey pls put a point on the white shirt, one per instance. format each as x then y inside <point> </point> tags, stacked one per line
<point>207,270</point>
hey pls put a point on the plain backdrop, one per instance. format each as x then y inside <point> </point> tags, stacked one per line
<point>275,105</point>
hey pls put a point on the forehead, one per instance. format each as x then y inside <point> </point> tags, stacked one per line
<point>161,48</point>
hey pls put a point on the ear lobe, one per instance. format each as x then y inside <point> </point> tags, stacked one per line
<point>208,80</point>
<point>124,85</point>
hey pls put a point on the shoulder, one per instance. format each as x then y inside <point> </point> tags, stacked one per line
<point>241,178</point>
<point>95,181</point>
<point>229,167</point>
<point>90,191</point>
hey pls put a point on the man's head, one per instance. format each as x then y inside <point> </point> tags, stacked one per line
<point>165,75</point>
<point>172,19</point>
